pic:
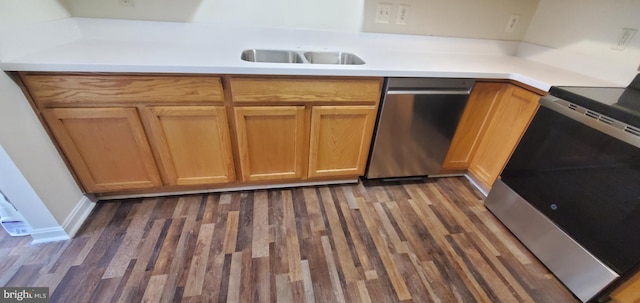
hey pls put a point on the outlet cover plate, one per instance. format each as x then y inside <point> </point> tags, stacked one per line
<point>126,3</point>
<point>512,24</point>
<point>403,14</point>
<point>383,12</point>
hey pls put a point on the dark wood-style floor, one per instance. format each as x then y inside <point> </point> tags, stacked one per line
<point>429,241</point>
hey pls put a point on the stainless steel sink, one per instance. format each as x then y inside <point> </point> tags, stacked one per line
<point>287,56</point>
<point>272,56</point>
<point>333,58</point>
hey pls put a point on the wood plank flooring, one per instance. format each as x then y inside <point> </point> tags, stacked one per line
<point>430,241</point>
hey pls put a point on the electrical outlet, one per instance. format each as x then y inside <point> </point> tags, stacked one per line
<point>126,3</point>
<point>383,11</point>
<point>625,37</point>
<point>512,24</point>
<point>403,14</point>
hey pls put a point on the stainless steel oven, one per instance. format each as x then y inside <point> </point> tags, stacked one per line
<point>571,192</point>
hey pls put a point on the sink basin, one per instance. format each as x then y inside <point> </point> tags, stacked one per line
<point>272,56</point>
<point>287,56</point>
<point>333,58</point>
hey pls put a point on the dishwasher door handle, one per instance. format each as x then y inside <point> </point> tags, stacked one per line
<point>428,92</point>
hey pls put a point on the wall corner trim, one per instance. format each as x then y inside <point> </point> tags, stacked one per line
<point>48,234</point>
<point>78,215</point>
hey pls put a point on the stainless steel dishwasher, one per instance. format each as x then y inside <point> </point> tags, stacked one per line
<point>417,120</point>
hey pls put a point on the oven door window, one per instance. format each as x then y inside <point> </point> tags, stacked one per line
<point>585,181</point>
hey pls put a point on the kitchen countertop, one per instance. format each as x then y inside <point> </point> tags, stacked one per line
<point>103,45</point>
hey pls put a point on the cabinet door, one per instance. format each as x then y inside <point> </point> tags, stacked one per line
<point>192,144</point>
<point>271,142</point>
<point>473,123</point>
<point>628,292</point>
<point>340,140</point>
<point>507,124</point>
<point>106,147</point>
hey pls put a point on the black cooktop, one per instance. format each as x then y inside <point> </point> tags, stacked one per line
<point>619,103</point>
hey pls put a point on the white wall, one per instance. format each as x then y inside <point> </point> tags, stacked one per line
<point>21,194</point>
<point>485,19</point>
<point>27,143</point>
<point>19,12</point>
<point>156,10</point>
<point>23,137</point>
<point>455,18</point>
<point>334,15</point>
<point>579,35</point>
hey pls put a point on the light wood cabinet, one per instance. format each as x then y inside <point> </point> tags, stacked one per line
<point>107,89</point>
<point>628,292</point>
<point>325,135</point>
<point>474,121</point>
<point>138,133</point>
<point>126,132</point>
<point>340,140</point>
<point>192,144</point>
<point>493,122</point>
<point>507,122</point>
<point>271,142</point>
<point>106,147</point>
<point>305,89</point>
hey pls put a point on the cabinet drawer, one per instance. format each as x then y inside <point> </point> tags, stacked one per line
<point>306,89</point>
<point>68,89</point>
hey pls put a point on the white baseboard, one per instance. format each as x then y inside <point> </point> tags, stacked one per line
<point>78,215</point>
<point>49,234</point>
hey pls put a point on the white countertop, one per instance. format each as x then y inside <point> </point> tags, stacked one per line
<point>102,45</point>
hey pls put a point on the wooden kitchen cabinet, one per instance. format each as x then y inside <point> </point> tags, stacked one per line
<point>82,89</point>
<point>474,121</point>
<point>142,133</point>
<point>507,121</point>
<point>628,292</point>
<point>305,89</point>
<point>318,128</point>
<point>96,121</point>
<point>192,144</point>
<point>106,147</point>
<point>494,120</point>
<point>271,142</point>
<point>340,140</point>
